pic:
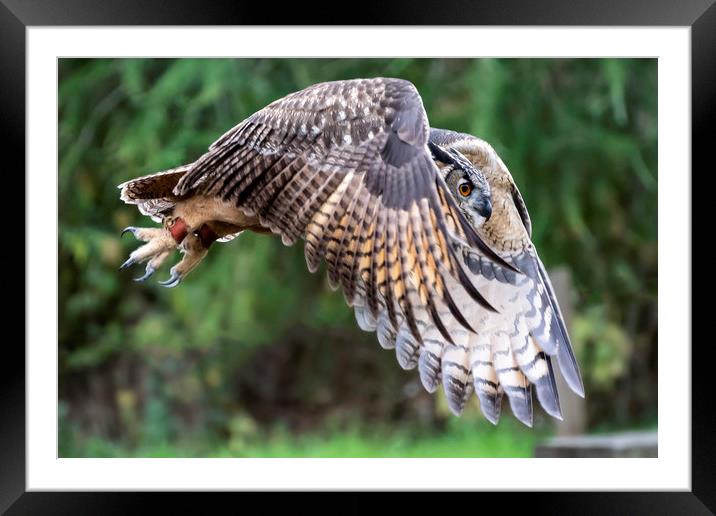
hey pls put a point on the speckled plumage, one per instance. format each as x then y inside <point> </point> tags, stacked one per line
<point>346,167</point>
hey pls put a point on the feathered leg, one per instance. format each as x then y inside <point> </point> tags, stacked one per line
<point>194,252</point>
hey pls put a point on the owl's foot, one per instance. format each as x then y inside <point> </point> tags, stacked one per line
<point>162,241</point>
<point>194,252</point>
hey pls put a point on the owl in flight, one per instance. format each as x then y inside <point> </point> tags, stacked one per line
<point>423,229</point>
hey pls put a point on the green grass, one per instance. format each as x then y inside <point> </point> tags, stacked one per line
<point>460,438</point>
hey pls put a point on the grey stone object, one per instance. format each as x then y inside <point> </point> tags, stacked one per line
<point>626,444</point>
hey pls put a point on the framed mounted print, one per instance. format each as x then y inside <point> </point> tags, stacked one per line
<point>490,204</point>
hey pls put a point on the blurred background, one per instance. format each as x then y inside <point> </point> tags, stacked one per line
<point>252,355</point>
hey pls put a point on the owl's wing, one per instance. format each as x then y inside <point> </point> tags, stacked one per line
<point>345,166</point>
<point>512,348</point>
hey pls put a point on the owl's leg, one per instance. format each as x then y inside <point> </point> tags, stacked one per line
<point>195,247</point>
<point>194,251</point>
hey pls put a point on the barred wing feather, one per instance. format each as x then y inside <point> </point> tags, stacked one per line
<point>512,348</point>
<point>345,166</point>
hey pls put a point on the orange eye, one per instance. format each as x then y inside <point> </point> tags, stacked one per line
<point>465,189</point>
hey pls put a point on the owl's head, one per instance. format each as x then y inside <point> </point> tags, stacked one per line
<point>466,182</point>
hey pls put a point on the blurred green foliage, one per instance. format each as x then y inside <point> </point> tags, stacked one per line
<point>251,344</point>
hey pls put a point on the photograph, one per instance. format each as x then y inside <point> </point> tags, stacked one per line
<point>357,257</point>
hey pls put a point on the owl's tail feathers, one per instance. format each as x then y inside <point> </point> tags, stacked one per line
<point>153,194</point>
<point>159,185</point>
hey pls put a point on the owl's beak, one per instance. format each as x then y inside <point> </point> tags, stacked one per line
<point>485,209</point>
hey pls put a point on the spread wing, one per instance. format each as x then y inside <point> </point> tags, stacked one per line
<point>512,348</point>
<point>345,166</point>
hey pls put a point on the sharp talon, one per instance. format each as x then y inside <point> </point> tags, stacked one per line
<point>131,229</point>
<point>149,271</point>
<point>130,261</point>
<point>172,282</point>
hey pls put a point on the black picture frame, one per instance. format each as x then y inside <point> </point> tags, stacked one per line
<point>17,15</point>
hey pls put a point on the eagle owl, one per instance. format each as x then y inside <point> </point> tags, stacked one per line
<point>423,229</point>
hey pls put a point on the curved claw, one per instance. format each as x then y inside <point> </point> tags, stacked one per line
<point>130,261</point>
<point>172,282</point>
<point>130,229</point>
<point>147,274</point>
